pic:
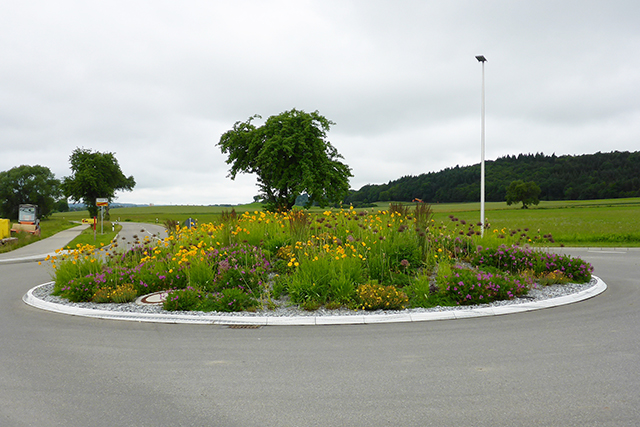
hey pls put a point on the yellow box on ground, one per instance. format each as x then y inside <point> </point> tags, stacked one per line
<point>5,229</point>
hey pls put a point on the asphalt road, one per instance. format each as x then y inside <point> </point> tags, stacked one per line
<point>575,365</point>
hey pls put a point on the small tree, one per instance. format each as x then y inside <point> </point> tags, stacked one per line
<point>28,185</point>
<point>94,175</point>
<point>525,192</point>
<point>62,205</point>
<point>291,156</point>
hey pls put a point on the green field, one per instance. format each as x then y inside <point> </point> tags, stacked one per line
<point>612,222</point>
<point>89,237</point>
<point>48,228</point>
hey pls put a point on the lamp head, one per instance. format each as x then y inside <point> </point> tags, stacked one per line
<point>481,58</point>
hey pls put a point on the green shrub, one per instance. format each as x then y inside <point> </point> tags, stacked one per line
<point>228,300</point>
<point>516,259</point>
<point>373,296</point>
<point>325,279</point>
<point>201,274</point>
<point>419,291</point>
<point>80,289</point>
<point>120,294</point>
<point>183,299</point>
<point>465,286</point>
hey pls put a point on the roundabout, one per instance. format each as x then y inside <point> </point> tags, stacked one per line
<point>154,313</point>
<point>573,365</point>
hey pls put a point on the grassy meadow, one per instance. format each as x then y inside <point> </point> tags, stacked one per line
<point>612,222</point>
<point>48,228</point>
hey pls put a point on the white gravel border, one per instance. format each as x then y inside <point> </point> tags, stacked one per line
<point>339,317</point>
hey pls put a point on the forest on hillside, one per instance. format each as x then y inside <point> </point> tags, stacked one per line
<point>590,176</point>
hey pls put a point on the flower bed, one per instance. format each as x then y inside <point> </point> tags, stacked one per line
<point>341,258</point>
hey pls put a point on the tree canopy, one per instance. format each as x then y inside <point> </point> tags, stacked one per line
<point>587,176</point>
<point>24,184</point>
<point>525,192</point>
<point>291,156</point>
<point>94,175</point>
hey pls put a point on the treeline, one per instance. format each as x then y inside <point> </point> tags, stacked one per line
<point>589,176</point>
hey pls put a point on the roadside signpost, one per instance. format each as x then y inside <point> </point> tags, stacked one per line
<point>102,202</point>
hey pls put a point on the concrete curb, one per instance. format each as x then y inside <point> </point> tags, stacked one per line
<point>30,258</point>
<point>358,319</point>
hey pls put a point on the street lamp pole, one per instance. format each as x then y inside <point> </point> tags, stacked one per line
<point>482,59</point>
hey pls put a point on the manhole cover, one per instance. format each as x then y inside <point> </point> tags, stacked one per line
<point>155,298</point>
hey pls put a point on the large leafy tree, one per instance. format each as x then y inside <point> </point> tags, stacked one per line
<point>34,185</point>
<point>291,156</point>
<point>525,192</point>
<point>94,175</point>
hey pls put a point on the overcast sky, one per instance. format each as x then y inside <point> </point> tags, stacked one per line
<point>158,82</point>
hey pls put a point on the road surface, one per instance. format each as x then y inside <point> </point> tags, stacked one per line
<point>575,365</point>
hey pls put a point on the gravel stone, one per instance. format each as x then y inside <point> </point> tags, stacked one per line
<point>539,293</point>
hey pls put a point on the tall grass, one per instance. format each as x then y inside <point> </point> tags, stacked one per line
<point>367,259</point>
<point>610,222</point>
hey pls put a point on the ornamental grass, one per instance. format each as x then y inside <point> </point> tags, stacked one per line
<point>358,259</point>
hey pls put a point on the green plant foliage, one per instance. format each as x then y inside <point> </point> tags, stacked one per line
<point>80,289</point>
<point>466,286</point>
<point>291,156</point>
<point>343,258</point>
<point>584,177</point>
<point>419,291</point>
<point>525,192</point>
<point>94,175</point>
<point>120,294</point>
<point>228,300</point>
<point>518,260</point>
<point>187,299</point>
<point>373,296</point>
<point>35,185</point>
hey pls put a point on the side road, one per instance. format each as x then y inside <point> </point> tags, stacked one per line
<point>39,250</point>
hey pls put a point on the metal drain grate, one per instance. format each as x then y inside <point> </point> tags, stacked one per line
<point>244,326</point>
